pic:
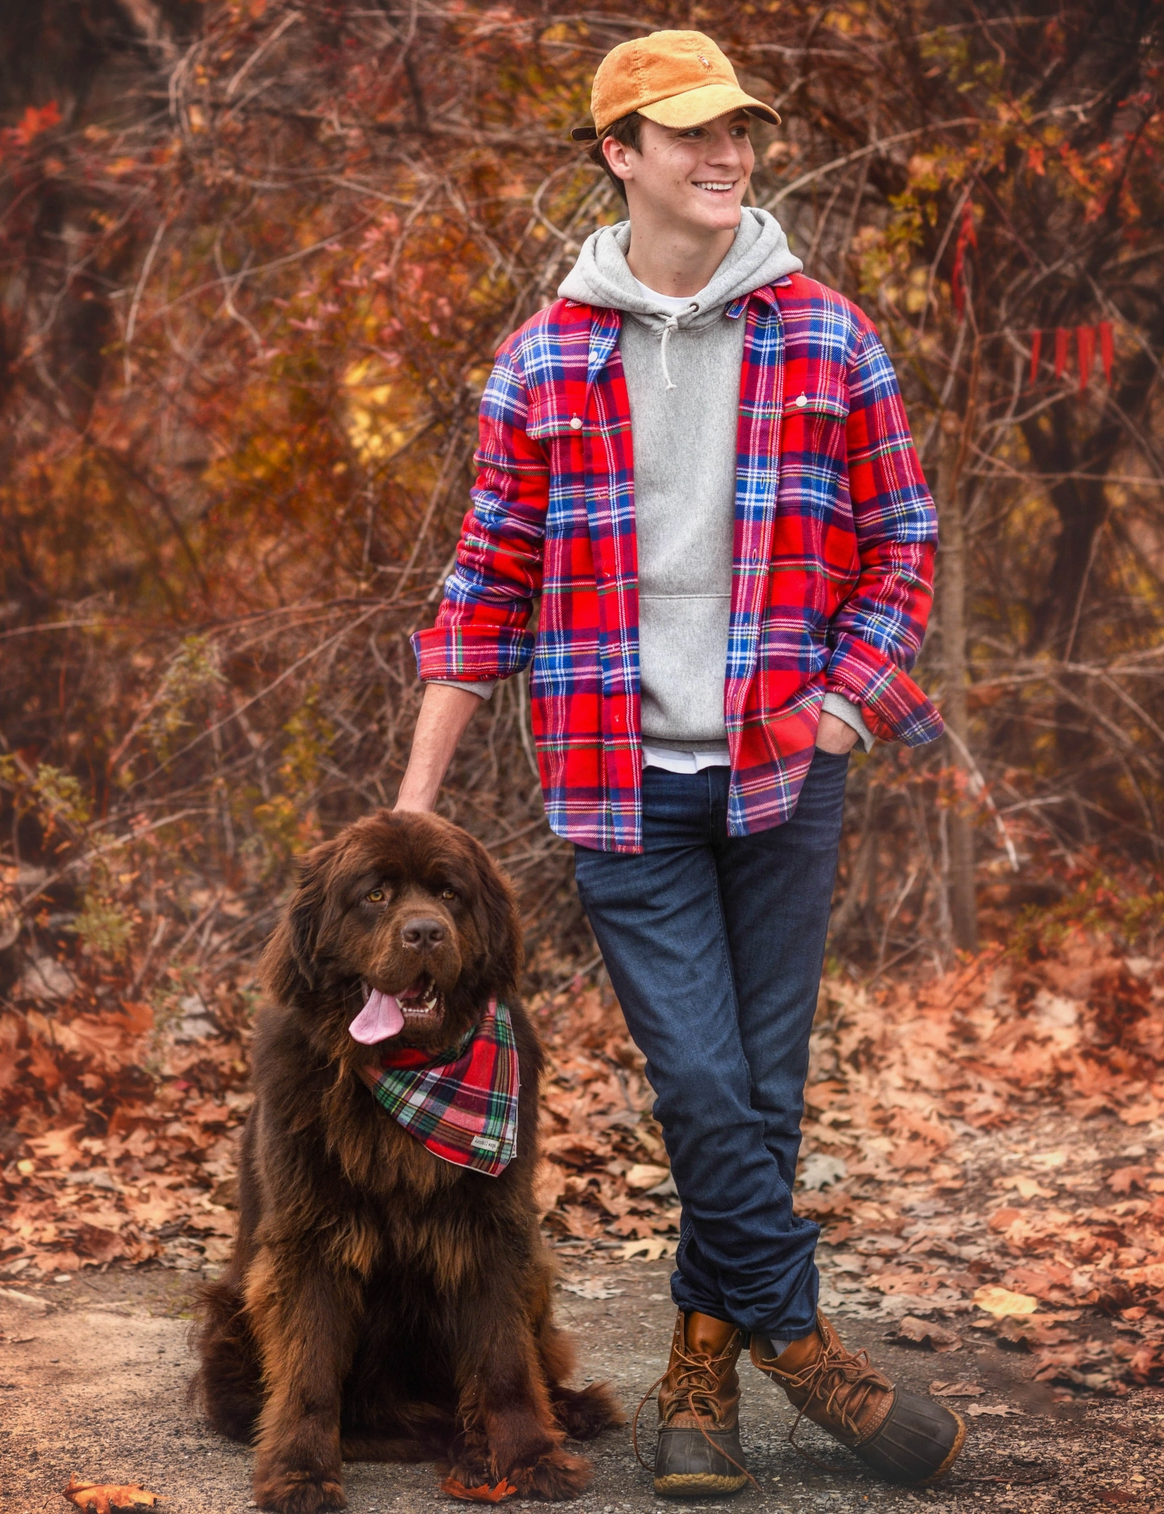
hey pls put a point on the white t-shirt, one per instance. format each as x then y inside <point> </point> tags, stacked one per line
<point>669,304</point>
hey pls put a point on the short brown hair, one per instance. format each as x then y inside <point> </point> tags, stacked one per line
<point>629,131</point>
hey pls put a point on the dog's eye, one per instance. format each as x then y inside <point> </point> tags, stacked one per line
<point>448,893</point>
<point>377,896</point>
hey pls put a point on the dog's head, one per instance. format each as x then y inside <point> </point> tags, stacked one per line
<point>405,905</point>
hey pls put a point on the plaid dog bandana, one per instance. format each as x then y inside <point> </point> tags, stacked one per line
<point>463,1106</point>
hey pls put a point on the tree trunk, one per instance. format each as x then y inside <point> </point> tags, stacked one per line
<point>952,621</point>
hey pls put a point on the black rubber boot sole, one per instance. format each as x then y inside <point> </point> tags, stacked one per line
<point>918,1442</point>
<point>689,1464</point>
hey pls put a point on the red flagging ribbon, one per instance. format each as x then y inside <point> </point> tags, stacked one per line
<point>1085,340</point>
<point>1106,348</point>
<point>967,237</point>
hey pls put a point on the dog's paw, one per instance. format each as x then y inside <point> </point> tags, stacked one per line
<point>557,1475</point>
<point>471,1469</point>
<point>298,1492</point>
<point>586,1413</point>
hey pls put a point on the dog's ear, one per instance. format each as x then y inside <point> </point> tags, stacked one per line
<point>290,959</point>
<point>500,924</point>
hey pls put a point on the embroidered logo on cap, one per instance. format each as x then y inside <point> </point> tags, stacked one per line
<point>704,61</point>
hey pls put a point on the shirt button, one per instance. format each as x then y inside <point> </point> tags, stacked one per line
<point>755,555</point>
<point>802,400</point>
<point>576,423</point>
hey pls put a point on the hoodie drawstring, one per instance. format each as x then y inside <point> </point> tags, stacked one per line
<point>669,325</point>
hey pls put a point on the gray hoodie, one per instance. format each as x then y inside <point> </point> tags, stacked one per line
<point>682,365</point>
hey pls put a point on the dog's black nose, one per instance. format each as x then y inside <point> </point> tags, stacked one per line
<point>421,933</point>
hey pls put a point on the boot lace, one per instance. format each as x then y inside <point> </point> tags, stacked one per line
<point>697,1379</point>
<point>840,1382</point>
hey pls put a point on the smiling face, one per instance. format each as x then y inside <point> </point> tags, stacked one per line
<point>406,915</point>
<point>694,178</point>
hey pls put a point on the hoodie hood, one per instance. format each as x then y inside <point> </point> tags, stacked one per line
<point>759,255</point>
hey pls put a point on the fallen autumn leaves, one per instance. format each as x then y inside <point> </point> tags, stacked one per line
<point>124,1138</point>
<point>962,1146</point>
<point>108,1498</point>
<point>907,1085</point>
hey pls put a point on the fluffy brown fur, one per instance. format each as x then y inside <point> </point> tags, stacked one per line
<point>382,1304</point>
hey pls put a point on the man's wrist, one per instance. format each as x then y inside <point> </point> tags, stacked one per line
<point>417,801</point>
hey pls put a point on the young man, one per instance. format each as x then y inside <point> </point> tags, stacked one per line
<point>699,461</point>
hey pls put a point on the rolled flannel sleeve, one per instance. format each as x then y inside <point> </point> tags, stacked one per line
<point>481,629</point>
<point>877,633</point>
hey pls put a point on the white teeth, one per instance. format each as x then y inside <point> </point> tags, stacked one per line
<point>423,1007</point>
<point>714,186</point>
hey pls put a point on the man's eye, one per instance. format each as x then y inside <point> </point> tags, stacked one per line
<point>448,893</point>
<point>377,896</point>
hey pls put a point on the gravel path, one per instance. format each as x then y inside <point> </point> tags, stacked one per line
<point>94,1375</point>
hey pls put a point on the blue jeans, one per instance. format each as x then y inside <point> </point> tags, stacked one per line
<point>714,945</point>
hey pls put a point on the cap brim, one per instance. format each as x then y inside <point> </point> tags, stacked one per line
<point>697,106</point>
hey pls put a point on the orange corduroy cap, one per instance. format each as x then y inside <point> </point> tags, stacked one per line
<point>677,79</point>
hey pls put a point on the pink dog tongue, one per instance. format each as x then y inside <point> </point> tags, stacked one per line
<point>379,1020</point>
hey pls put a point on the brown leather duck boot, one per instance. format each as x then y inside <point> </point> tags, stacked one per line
<point>902,1436</point>
<point>699,1449</point>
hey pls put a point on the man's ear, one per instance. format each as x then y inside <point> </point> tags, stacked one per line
<point>617,155</point>
<point>289,964</point>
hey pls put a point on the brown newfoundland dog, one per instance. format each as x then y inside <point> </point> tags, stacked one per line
<point>384,1303</point>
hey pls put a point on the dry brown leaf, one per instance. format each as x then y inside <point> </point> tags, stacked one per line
<point>1001,1301</point>
<point>1141,1114</point>
<point>579,1222</point>
<point>925,1333</point>
<point>482,1494</point>
<point>107,1497</point>
<point>1025,1330</point>
<point>99,1243</point>
<point>633,1225</point>
<point>648,1250</point>
<point>1146,1367</point>
<point>1031,1188</point>
<point>1045,1280</point>
<point>941,1389</point>
<point>642,1175</point>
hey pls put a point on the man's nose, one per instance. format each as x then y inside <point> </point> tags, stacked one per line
<point>421,934</point>
<point>725,149</point>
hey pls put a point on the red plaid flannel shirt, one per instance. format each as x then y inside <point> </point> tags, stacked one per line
<point>835,534</point>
